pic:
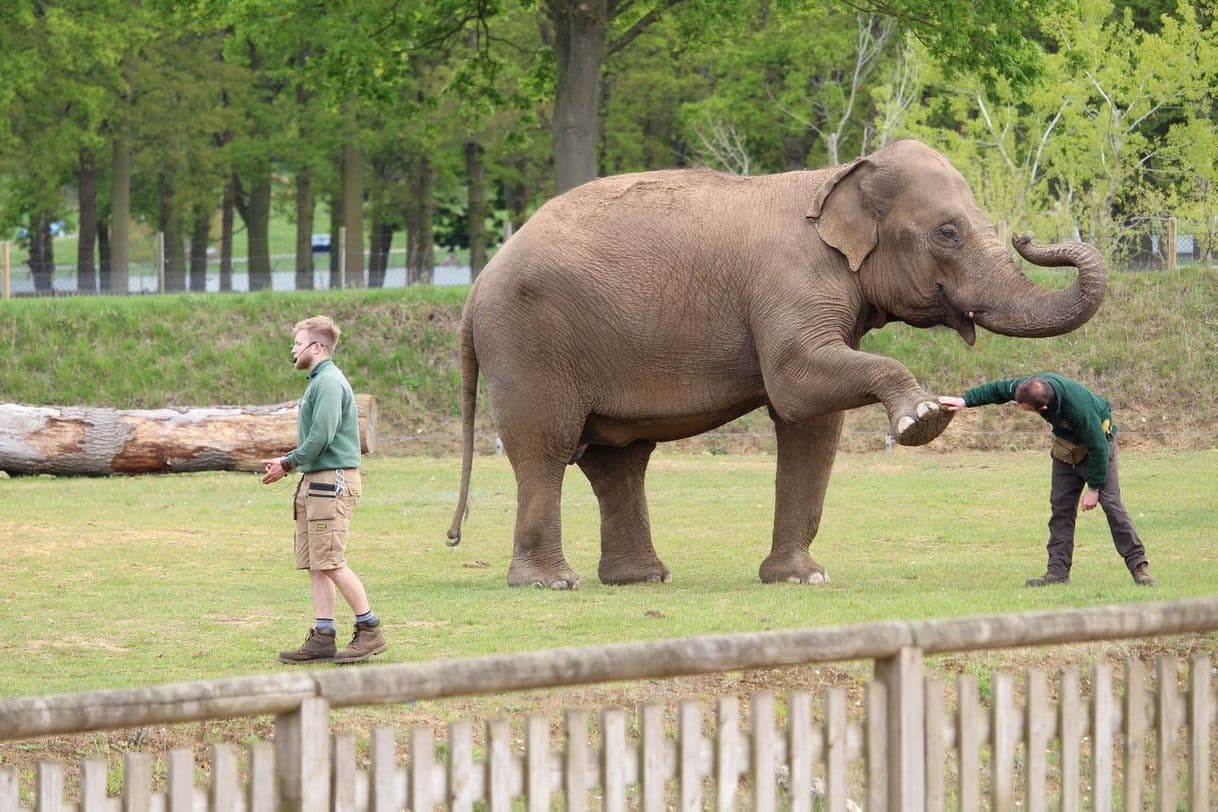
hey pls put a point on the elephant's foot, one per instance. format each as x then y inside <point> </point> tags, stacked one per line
<point>556,577</point>
<point>925,421</point>
<point>798,569</point>
<point>619,573</point>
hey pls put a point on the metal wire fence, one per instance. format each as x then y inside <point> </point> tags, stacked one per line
<point>146,277</point>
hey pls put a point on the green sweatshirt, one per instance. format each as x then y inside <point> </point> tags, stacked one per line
<point>1077,414</point>
<point>327,426</point>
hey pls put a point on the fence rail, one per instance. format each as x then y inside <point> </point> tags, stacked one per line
<point>914,746</point>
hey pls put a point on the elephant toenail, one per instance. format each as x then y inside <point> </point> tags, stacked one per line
<point>904,423</point>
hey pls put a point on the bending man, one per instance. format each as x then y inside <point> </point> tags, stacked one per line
<point>1084,461</point>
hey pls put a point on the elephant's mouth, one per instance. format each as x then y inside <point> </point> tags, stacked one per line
<point>958,320</point>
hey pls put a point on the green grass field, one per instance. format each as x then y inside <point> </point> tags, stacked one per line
<point>125,581</point>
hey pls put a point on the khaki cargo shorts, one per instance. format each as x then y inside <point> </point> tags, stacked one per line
<point>324,504</point>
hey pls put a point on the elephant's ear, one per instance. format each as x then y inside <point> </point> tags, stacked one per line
<point>842,214</point>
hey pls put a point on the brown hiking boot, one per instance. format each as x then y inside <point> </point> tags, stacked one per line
<point>366,641</point>
<point>1050,578</point>
<point>1143,578</point>
<point>319,645</point>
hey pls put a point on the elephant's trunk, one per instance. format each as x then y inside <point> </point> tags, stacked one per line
<point>1032,311</point>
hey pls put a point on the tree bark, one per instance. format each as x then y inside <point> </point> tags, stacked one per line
<point>579,45</point>
<point>120,213</point>
<point>87,441</point>
<point>475,171</point>
<point>304,229</point>
<point>86,186</point>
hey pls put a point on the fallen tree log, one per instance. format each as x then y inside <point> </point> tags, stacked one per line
<point>88,441</point>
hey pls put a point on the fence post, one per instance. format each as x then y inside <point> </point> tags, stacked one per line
<point>1172,228</point>
<point>342,259</point>
<point>302,757</point>
<point>158,247</point>
<point>902,678</point>
<point>5,270</point>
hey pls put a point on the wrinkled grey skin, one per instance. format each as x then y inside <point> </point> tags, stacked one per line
<point>643,308</point>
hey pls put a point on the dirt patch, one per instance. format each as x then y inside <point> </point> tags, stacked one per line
<point>74,641</point>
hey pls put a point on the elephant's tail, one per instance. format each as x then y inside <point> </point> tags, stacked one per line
<point>469,400</point>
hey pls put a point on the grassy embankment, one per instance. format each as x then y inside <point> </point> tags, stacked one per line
<point>1152,349</point>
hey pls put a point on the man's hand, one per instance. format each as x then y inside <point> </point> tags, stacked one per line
<point>1091,498</point>
<point>274,470</point>
<point>952,403</point>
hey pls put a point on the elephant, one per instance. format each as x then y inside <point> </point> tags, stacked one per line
<point>643,308</point>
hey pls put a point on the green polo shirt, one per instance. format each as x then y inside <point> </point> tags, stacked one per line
<point>1077,414</point>
<point>327,425</point>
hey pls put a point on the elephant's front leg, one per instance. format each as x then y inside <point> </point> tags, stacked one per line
<point>802,384</point>
<point>805,457</point>
<point>617,474</point>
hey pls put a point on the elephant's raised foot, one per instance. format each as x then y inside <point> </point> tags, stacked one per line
<point>799,569</point>
<point>927,423</point>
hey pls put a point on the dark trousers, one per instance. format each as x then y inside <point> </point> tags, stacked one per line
<point>1068,483</point>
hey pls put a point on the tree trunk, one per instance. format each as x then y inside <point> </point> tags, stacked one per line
<point>86,185</point>
<point>120,214</point>
<point>420,239</point>
<point>226,235</point>
<point>256,214</point>
<point>42,253</point>
<point>171,227</point>
<point>475,171</point>
<point>86,441</point>
<point>200,234</point>
<point>304,229</point>
<point>380,239</point>
<point>103,255</point>
<point>336,223</point>
<point>579,45</point>
<point>353,205</point>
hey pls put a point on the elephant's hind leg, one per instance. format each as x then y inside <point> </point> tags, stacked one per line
<point>617,474</point>
<point>537,557</point>
<point>805,457</point>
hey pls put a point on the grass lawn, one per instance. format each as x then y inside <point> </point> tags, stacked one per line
<point>125,581</point>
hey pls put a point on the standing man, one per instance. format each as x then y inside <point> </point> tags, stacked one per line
<point>327,455</point>
<point>1084,456</point>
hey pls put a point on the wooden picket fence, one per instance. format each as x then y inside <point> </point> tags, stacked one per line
<point>1028,741</point>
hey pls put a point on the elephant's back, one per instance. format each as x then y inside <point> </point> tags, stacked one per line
<point>629,279</point>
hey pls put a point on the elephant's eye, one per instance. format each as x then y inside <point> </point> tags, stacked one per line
<point>948,233</point>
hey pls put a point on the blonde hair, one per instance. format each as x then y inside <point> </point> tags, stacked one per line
<point>321,329</point>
